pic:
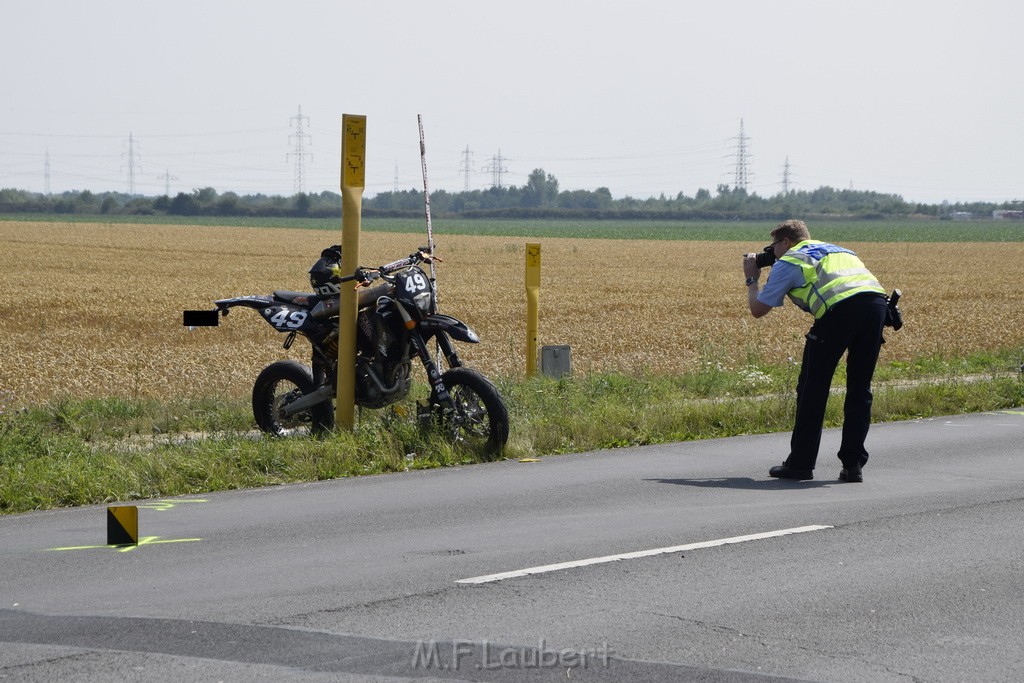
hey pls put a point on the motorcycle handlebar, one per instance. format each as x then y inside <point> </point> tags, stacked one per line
<point>367,275</point>
<point>396,265</point>
<point>421,256</point>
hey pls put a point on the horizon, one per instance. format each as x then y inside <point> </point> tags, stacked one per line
<point>915,99</point>
<point>138,195</point>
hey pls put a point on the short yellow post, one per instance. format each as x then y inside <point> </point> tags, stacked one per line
<point>353,180</point>
<point>532,306</point>
<point>123,525</point>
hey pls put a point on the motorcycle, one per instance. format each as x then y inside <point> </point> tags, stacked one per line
<point>395,323</point>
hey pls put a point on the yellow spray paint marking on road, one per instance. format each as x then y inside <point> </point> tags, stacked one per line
<point>1012,412</point>
<point>161,505</point>
<point>145,540</point>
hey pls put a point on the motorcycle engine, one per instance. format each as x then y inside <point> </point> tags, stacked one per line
<point>378,386</point>
<point>366,335</point>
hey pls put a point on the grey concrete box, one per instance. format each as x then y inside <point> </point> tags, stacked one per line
<point>556,361</point>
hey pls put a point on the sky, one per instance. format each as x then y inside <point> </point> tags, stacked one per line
<point>920,98</point>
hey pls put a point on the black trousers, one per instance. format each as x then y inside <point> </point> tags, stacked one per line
<point>854,326</point>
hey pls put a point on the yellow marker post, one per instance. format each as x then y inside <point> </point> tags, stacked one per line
<point>532,306</point>
<point>353,180</point>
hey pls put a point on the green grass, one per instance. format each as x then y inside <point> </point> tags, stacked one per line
<point>883,230</point>
<point>80,452</point>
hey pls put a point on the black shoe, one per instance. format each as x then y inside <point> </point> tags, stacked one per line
<point>851,473</point>
<point>784,471</point>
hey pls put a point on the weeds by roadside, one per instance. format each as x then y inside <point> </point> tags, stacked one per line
<point>78,452</point>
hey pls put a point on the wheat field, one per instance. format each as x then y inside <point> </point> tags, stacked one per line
<point>94,310</point>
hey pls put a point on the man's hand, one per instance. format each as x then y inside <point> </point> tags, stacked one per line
<point>750,268</point>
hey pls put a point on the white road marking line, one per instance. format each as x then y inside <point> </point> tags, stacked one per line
<point>544,569</point>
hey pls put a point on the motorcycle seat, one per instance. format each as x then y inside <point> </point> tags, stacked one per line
<point>300,298</point>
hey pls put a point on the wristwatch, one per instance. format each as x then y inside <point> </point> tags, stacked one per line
<point>751,281</point>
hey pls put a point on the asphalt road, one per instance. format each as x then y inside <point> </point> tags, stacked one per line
<point>913,575</point>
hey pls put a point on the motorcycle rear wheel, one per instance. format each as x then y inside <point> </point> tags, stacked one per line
<point>280,383</point>
<point>481,418</point>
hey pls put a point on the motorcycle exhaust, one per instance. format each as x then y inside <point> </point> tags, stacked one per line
<point>379,383</point>
<point>317,397</point>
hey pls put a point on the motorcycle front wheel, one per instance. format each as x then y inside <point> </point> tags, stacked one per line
<point>278,385</point>
<point>480,418</point>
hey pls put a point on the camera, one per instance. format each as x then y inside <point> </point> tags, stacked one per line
<point>765,257</point>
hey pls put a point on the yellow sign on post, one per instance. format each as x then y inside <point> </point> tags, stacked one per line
<point>353,180</point>
<point>532,306</point>
<point>353,151</point>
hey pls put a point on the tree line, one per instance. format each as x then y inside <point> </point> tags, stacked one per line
<point>540,197</point>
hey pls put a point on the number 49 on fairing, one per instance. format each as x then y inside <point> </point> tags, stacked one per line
<point>284,318</point>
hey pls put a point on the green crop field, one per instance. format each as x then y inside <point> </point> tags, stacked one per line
<point>896,230</point>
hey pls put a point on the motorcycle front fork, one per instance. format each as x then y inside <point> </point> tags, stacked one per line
<point>448,351</point>
<point>430,367</point>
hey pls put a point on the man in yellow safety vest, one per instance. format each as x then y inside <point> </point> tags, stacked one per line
<point>849,309</point>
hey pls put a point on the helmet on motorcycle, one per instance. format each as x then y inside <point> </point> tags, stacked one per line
<point>333,251</point>
<point>321,276</point>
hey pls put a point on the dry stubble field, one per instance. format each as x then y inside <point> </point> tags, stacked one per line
<point>96,309</point>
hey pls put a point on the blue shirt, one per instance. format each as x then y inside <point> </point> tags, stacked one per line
<point>784,277</point>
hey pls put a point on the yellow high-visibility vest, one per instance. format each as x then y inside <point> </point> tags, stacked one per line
<point>831,274</point>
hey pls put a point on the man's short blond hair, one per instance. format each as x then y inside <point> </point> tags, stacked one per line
<point>792,229</point>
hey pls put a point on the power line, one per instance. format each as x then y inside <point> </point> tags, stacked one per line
<point>167,178</point>
<point>467,167</point>
<point>91,136</point>
<point>131,163</point>
<point>300,154</point>
<point>497,169</point>
<point>742,174</point>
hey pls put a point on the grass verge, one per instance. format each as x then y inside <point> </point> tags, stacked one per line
<point>80,452</point>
